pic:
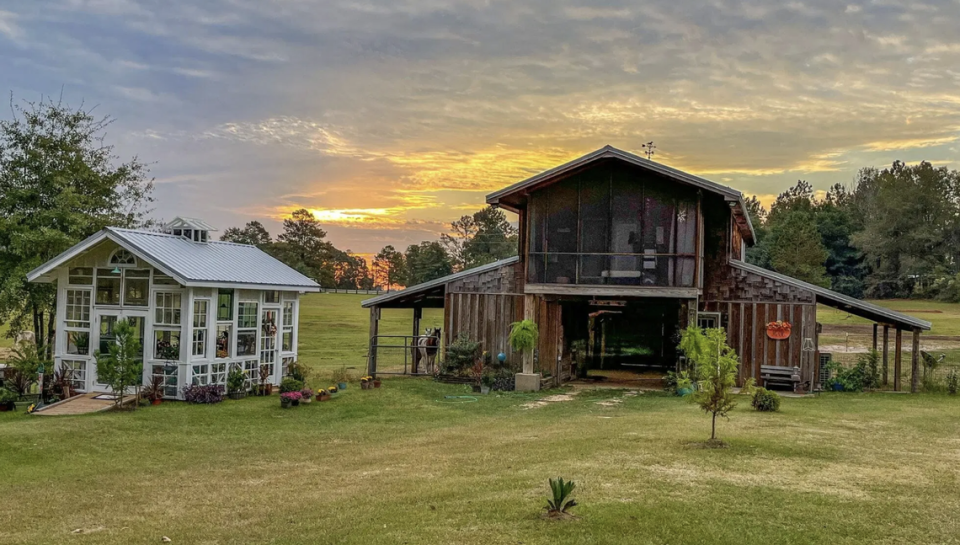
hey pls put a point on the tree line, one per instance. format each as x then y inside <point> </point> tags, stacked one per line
<point>894,232</point>
<point>474,240</point>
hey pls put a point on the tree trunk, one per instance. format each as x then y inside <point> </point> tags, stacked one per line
<point>48,346</point>
<point>713,428</point>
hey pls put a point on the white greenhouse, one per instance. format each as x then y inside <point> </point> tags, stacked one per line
<point>201,307</point>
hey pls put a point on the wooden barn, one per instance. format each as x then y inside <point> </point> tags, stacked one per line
<point>617,255</point>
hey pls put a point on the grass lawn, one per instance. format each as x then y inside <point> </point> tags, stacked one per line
<point>405,465</point>
<point>944,317</point>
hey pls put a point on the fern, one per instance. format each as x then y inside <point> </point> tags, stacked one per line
<point>561,500</point>
<point>524,335</point>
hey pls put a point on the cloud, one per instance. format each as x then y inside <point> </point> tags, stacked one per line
<point>392,118</point>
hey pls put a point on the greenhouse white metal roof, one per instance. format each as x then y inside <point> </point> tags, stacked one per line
<point>195,264</point>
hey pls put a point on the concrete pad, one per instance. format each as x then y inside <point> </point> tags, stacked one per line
<point>528,382</point>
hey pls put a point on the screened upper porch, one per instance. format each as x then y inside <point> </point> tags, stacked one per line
<point>613,225</point>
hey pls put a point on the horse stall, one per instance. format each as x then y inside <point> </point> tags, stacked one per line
<point>480,303</point>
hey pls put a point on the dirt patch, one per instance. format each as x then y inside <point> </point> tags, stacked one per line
<point>544,401</point>
<point>558,515</point>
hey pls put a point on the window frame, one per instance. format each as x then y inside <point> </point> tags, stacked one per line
<point>199,328</point>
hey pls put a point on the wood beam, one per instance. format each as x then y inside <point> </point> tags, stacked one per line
<point>886,353</point>
<point>417,315</point>
<point>610,291</point>
<point>897,354</point>
<point>875,327</point>
<point>372,349</point>
<point>530,304</point>
<point>915,362</point>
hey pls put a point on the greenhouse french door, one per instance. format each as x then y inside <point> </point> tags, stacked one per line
<point>269,333</point>
<point>106,321</point>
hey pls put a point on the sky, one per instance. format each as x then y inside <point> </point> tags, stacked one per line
<point>391,119</point>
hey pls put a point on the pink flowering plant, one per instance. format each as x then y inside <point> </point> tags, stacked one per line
<point>291,396</point>
<point>306,393</point>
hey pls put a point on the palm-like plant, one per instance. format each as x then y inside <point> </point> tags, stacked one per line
<point>561,500</point>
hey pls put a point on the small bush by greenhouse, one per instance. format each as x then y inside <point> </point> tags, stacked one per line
<point>766,401</point>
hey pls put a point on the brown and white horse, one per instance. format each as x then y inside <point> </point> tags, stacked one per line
<point>426,350</point>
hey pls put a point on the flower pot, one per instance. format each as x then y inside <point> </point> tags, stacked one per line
<point>476,388</point>
<point>364,385</point>
<point>285,403</point>
<point>237,395</point>
<point>324,397</point>
<point>306,400</point>
<point>684,392</point>
<point>4,407</point>
<point>484,390</point>
<point>341,386</point>
<point>269,389</point>
<point>296,403</point>
<point>156,401</point>
<point>376,383</point>
<point>22,405</point>
<point>837,387</point>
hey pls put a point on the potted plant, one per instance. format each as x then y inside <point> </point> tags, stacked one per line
<point>236,383</point>
<point>306,395</point>
<point>323,395</point>
<point>289,399</point>
<point>83,343</point>
<point>62,385</point>
<point>684,384</point>
<point>265,387</point>
<point>365,382</point>
<point>332,389</point>
<point>340,376</point>
<point>376,382</point>
<point>7,399</point>
<point>153,390</point>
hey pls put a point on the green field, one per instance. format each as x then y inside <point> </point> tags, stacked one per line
<point>405,465</point>
<point>944,317</point>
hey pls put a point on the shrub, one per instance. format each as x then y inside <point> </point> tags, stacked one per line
<point>953,382</point>
<point>766,401</point>
<point>207,394</point>
<point>561,500</point>
<point>461,355</point>
<point>341,375</point>
<point>236,380</point>
<point>297,371</point>
<point>7,396</point>
<point>290,384</point>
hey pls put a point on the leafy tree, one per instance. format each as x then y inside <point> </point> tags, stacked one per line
<point>253,233</point>
<point>757,254</point>
<point>351,272</point>
<point>910,232</point>
<point>121,367</point>
<point>795,248</point>
<point>389,267</point>
<point>482,238</point>
<point>59,184</point>
<point>302,246</point>
<point>715,366</point>
<point>426,261</point>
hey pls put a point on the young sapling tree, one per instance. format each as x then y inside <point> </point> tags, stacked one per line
<point>120,368</point>
<point>716,366</point>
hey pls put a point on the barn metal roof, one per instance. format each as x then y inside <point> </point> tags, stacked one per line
<point>426,287</point>
<point>193,263</point>
<point>843,302</point>
<point>608,152</point>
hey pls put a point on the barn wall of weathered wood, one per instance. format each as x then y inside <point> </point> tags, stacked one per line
<point>747,302</point>
<point>482,307</point>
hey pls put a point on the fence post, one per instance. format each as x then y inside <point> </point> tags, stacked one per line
<point>374,332</point>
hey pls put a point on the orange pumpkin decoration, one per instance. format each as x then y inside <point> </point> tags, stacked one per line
<point>779,330</point>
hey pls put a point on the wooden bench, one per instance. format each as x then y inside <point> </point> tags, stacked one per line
<point>771,375</point>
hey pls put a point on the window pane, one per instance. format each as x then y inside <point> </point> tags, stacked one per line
<point>200,313</point>
<point>108,287</point>
<point>225,305</point>
<point>271,297</point>
<point>246,343</point>
<point>78,342</point>
<point>135,291</point>
<point>167,345</point>
<point>247,315</point>
<point>81,276</point>
<point>287,340</point>
<point>288,313</point>
<point>77,309</point>
<point>223,340</point>
<point>168,308</point>
<point>163,280</point>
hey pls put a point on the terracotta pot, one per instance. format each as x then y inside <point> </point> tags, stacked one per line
<point>376,384</point>
<point>156,401</point>
<point>325,397</point>
<point>306,400</point>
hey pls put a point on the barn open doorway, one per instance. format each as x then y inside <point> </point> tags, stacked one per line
<point>622,340</point>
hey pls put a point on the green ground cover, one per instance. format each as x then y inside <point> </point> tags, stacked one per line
<point>403,464</point>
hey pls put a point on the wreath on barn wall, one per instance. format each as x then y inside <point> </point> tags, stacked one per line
<point>779,330</point>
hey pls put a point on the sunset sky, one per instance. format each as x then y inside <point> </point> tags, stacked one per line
<point>390,119</point>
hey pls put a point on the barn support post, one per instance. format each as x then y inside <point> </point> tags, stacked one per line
<point>915,362</point>
<point>875,327</point>
<point>374,331</point>
<point>897,354</point>
<point>528,381</point>
<point>417,315</point>
<point>886,353</point>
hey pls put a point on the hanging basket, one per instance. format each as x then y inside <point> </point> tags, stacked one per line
<point>779,330</point>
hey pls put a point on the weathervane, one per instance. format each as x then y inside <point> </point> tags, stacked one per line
<point>649,150</point>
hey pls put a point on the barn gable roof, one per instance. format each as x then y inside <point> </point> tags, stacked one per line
<point>422,290</point>
<point>508,196</point>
